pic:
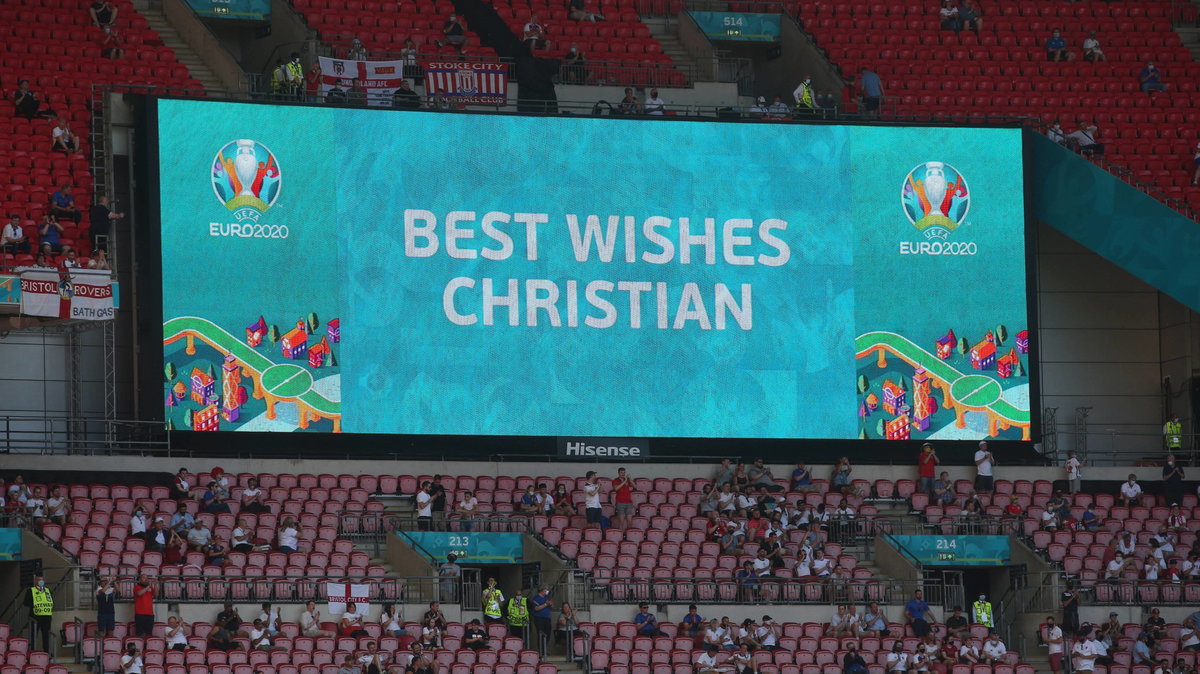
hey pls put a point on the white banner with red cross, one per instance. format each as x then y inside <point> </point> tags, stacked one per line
<point>377,79</point>
<point>81,294</point>
<point>340,594</point>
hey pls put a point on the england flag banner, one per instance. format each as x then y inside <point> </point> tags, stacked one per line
<point>462,82</point>
<point>81,294</point>
<point>340,594</point>
<point>378,79</point>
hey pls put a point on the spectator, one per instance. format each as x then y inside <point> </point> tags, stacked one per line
<point>143,606</point>
<point>349,666</point>
<point>529,502</point>
<point>1114,569</point>
<point>103,14</point>
<point>873,623</point>
<point>159,537</point>
<point>1189,635</point>
<point>760,475</point>
<point>43,261</point>
<point>692,625</point>
<point>852,661</point>
<point>927,462</point>
<point>390,621</point>
<point>27,103</point>
<point>1173,476</point>
<point>943,489</point>
<point>1055,133</point>
<point>706,662</point>
<point>717,636</point>
<point>467,510</point>
<point>336,96</point>
<point>101,217</point>
<point>842,623</point>
<point>435,612</point>
<point>1131,491</point>
<point>352,622</point>
<point>985,466</point>
<point>591,491</point>
<point>270,619</point>
<point>645,622</point>
<point>870,88</point>
<point>424,501</point>
<point>106,606</point>
<point>182,487</point>
<point>1176,520</point>
<point>535,34</point>
<point>994,650</point>
<point>408,55</point>
<point>312,83</point>
<point>579,13</point>
<point>1069,601</point>
<point>1072,464</point>
<point>1083,139</point>
<point>725,471</point>
<point>897,659</point>
<point>1151,79</point>
<point>182,520</point>
<point>475,637</point>
<point>742,660</point>
<point>778,109</point>
<point>805,95</point>
<point>357,51</point>
<point>229,617</point>
<point>493,599</point>
<point>288,535</point>
<point>198,536</point>
<point>71,259</point>
<point>437,508</point>
<point>957,625</point>
<point>405,98</point>
<point>50,233</point>
<point>1056,48</point>
<point>574,66</point>
<point>1090,520</point>
<point>253,498</point>
<point>629,105</point>
<point>176,634</point>
<point>260,638</point>
<point>1092,52</point>
<point>373,660</point>
<point>213,501</point>
<point>1196,162</point>
<point>62,138</point>
<point>767,634</point>
<point>13,238</point>
<point>654,104</point>
<point>622,498</point>
<point>453,34</point>
<point>356,95</point>
<point>111,45</point>
<point>971,16</point>
<point>1155,626</point>
<point>801,476</point>
<point>840,480</point>
<point>131,660</point>
<point>1049,519</point>
<point>948,15</point>
<point>310,622</point>
<point>542,608</point>
<point>450,572</point>
<point>58,506</point>
<point>915,613</point>
<point>431,634</point>
<point>759,109</point>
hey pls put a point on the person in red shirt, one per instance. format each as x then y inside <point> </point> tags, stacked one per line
<point>927,468</point>
<point>623,488</point>
<point>143,606</point>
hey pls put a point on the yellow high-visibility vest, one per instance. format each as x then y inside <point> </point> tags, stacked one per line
<point>1174,429</point>
<point>518,612</point>
<point>491,602</point>
<point>983,613</point>
<point>43,603</point>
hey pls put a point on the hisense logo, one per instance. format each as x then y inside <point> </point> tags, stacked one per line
<point>585,449</point>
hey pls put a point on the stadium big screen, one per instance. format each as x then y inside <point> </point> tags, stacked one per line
<point>364,271</point>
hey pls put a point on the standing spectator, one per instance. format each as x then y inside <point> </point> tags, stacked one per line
<point>985,465</point>
<point>1056,48</point>
<point>805,95</point>
<point>1092,52</point>
<point>517,615</point>
<point>870,88</point>
<point>435,612</point>
<point>437,508</point>
<point>270,619</point>
<point>574,66</point>
<point>591,501</point>
<point>450,572</point>
<point>467,510</point>
<point>312,83</point>
<point>27,103</point>
<point>13,239</point>
<point>927,462</point>
<point>1073,473</point>
<point>1070,609</point>
<point>623,498</point>
<point>357,51</point>
<point>725,471</point>
<point>654,104</point>
<point>101,218</point>
<point>453,34</point>
<point>1173,430</point>
<point>143,606</point>
<point>948,15</point>
<point>1195,181</point>
<point>1131,491</point>
<point>542,607</point>
<point>971,16</point>
<point>103,14</point>
<point>943,489</point>
<point>408,55</point>
<point>1173,477</point>
<point>535,34</point>
<point>424,502</point>
<point>1054,644</point>
<point>106,606</point>
<point>1151,79</point>
<point>1084,139</point>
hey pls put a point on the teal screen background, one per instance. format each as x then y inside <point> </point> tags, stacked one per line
<point>347,176</point>
<point>254,10</point>
<point>957,550</point>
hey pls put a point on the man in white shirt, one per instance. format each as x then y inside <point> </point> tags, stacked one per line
<point>1073,463</point>
<point>994,650</point>
<point>985,465</point>
<point>544,500</point>
<point>198,536</point>
<point>1131,491</point>
<point>131,661</point>
<point>176,634</point>
<point>13,239</point>
<point>1049,520</point>
<point>310,622</point>
<point>1084,654</point>
<point>767,633</point>
<point>706,663</point>
<point>822,566</point>
<point>260,639</point>
<point>591,498</point>
<point>270,619</point>
<point>654,105</point>
<point>1125,544</point>
<point>897,659</point>
<point>1054,644</point>
<point>969,653</point>
<point>1091,49</point>
<point>425,506</point>
<point>761,564</point>
<point>467,509</point>
<point>1116,567</point>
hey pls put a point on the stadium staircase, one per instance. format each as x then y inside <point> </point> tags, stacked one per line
<point>186,55</point>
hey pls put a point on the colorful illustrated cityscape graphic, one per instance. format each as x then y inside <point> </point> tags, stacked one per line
<point>982,388</point>
<point>264,380</point>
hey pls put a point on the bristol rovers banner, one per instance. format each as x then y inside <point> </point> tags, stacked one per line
<point>379,79</point>
<point>81,294</point>
<point>459,82</point>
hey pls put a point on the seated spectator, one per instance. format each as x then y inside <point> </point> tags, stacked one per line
<point>957,625</point>
<point>692,624</point>
<point>310,622</point>
<point>897,659</point>
<point>352,622</point>
<point>27,103</point>
<point>948,16</point>
<point>842,623</point>
<point>182,487</point>
<point>176,634</point>
<point>103,14</point>
<point>131,660</point>
<point>182,520</point>
<point>656,106</point>
<point>749,587</point>
<point>475,637</point>
<point>467,510</point>
<point>260,639</point>
<point>431,634</point>
<point>969,653</point>
<point>574,68</point>
<point>706,662</point>
<point>435,614</point>
<point>761,564</point>
<point>630,105</point>
<point>545,500</point>
<point>528,504</point>
<point>1092,52</point>
<point>58,506</point>
<point>1176,520</point>
<point>1131,491</point>
<point>1083,139</point>
<point>212,501</point>
<point>943,489</point>
<point>1151,79</point>
<point>918,615</point>
<point>852,661</point>
<point>840,480</point>
<point>801,476</point>
<point>50,233</point>
<point>405,98</point>
<point>767,634</point>
<point>760,475</point>
<point>718,636</point>
<point>391,622</point>
<point>198,536</point>
<point>221,638</point>
<point>62,205</point>
<point>778,109</point>
<point>14,239</point>
<point>534,36</point>
<point>759,109</point>
<point>726,500</point>
<point>822,566</point>
<point>1155,626</point>
<point>1049,520</point>
<point>872,623</point>
<point>1114,569</point>
<point>71,259</point>
<point>254,499</point>
<point>336,96</point>
<point>1055,132</point>
<point>240,540</point>
<point>111,46</point>
<point>229,617</point>
<point>774,550</point>
<point>159,537</point>
<point>62,138</point>
<point>36,505</point>
<point>288,535</point>
<point>1056,48</point>
<point>270,619</point>
<point>349,665</point>
<point>971,16</point>
<point>373,660</point>
<point>742,660</point>
<point>1090,521</point>
<point>578,12</point>
<point>138,524</point>
<point>994,650</point>
<point>645,623</point>
<point>453,34</point>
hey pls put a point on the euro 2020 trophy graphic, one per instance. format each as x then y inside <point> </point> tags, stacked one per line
<point>935,198</point>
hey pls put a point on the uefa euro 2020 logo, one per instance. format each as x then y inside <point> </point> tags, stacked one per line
<point>935,199</point>
<point>246,178</point>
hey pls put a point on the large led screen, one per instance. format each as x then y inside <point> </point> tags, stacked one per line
<point>371,271</point>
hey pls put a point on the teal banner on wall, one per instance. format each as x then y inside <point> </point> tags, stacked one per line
<point>10,545</point>
<point>471,548</point>
<point>251,10</point>
<point>957,550</point>
<point>740,26</point>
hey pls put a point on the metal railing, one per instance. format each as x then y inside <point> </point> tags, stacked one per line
<point>292,589</point>
<point>767,590</point>
<point>1116,446</point>
<point>80,434</point>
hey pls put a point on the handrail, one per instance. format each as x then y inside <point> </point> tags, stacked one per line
<point>85,433</point>
<point>365,525</point>
<point>286,589</point>
<point>779,590</point>
<point>901,548</point>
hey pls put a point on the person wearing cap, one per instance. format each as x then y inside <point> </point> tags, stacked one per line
<point>40,601</point>
<point>985,465</point>
<point>542,606</point>
<point>759,109</point>
<point>767,634</point>
<point>927,462</point>
<point>981,612</point>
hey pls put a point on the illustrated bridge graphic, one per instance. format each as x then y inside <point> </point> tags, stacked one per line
<point>277,382</point>
<point>961,392</point>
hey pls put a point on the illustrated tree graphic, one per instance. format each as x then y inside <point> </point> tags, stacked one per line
<point>187,418</point>
<point>169,372</point>
<point>273,334</point>
<point>1001,334</point>
<point>963,346</point>
<point>313,322</point>
<point>863,383</point>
